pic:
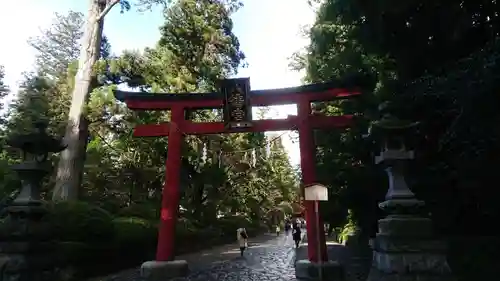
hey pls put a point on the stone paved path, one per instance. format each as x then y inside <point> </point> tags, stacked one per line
<point>267,259</point>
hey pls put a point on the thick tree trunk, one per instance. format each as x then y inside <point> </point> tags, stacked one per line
<point>71,163</point>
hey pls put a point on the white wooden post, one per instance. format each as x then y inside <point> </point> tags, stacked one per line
<point>317,192</point>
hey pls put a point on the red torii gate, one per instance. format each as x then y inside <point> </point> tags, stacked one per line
<point>305,122</point>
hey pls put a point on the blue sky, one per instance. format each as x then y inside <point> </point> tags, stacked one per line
<point>268,30</point>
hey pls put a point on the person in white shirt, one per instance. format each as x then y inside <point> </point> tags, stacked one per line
<point>242,238</point>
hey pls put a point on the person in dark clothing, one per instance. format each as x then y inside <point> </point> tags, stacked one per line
<point>297,235</point>
<point>242,238</point>
<point>287,228</point>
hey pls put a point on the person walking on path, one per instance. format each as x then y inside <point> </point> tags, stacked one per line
<point>278,230</point>
<point>287,228</point>
<point>242,238</point>
<point>297,235</point>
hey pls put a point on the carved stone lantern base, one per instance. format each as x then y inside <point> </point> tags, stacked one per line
<point>409,259</point>
<point>404,249</point>
<point>27,252</point>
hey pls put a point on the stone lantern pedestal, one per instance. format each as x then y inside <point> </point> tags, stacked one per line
<point>404,248</point>
<point>26,250</point>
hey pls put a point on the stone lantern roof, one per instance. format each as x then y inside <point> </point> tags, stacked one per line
<point>36,143</point>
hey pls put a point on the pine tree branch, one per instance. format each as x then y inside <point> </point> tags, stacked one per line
<point>108,8</point>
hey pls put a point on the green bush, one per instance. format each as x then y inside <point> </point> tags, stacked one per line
<point>231,223</point>
<point>83,232</point>
<point>113,206</point>
<point>345,232</point>
<point>185,226</point>
<point>74,253</point>
<point>80,222</point>
<point>131,231</point>
<point>93,243</point>
<point>211,235</point>
<point>257,229</point>
<point>144,211</point>
<point>189,238</point>
<point>135,239</point>
<point>474,257</point>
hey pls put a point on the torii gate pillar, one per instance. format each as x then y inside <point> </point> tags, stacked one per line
<point>307,163</point>
<point>171,194</point>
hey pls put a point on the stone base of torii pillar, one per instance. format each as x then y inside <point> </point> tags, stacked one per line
<point>164,270</point>
<point>307,270</point>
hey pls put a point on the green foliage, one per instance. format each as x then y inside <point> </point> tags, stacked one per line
<point>32,104</point>
<point>227,181</point>
<point>92,242</point>
<point>70,254</point>
<point>350,37</point>
<point>208,26</point>
<point>446,77</point>
<point>348,228</point>
<point>80,222</point>
<point>231,221</point>
<point>473,259</point>
<point>58,46</point>
<point>4,89</point>
<point>143,211</point>
<point>135,236</point>
<point>408,34</point>
<point>124,174</point>
<point>8,180</point>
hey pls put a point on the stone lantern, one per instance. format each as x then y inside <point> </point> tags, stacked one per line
<point>404,248</point>
<point>394,135</point>
<point>26,251</point>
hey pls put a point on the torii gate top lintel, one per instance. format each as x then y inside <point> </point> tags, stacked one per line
<point>313,92</point>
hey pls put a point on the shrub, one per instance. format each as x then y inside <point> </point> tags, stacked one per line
<point>130,231</point>
<point>231,223</point>
<point>188,237</point>
<point>474,257</point>
<point>144,211</point>
<point>347,230</point>
<point>135,239</point>
<point>80,222</point>
<point>257,229</point>
<point>185,226</point>
<point>93,243</point>
<point>83,232</point>
<point>73,253</point>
